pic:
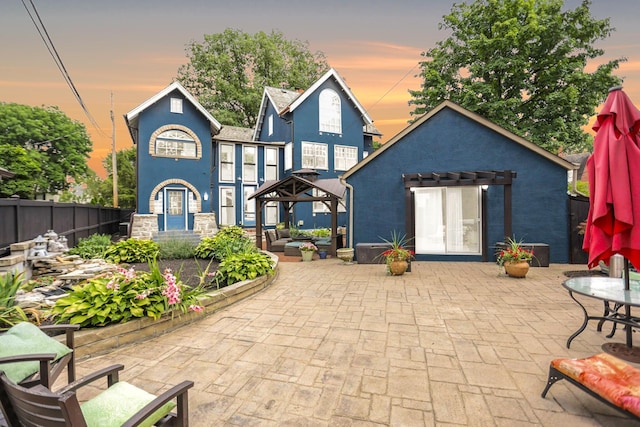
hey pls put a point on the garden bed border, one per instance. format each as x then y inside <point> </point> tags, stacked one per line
<point>96,341</point>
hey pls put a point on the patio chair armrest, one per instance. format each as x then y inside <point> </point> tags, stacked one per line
<point>111,372</point>
<point>179,391</point>
<point>68,329</point>
<point>45,360</point>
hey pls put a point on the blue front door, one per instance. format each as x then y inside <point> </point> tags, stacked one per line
<point>176,218</point>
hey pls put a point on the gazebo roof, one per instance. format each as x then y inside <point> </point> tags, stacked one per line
<point>296,188</point>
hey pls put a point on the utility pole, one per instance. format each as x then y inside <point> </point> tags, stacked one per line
<point>114,165</point>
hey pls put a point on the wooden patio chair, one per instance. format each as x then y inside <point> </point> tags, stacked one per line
<point>120,404</point>
<point>27,339</point>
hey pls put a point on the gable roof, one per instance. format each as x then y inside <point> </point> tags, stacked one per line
<point>284,100</point>
<point>472,116</point>
<point>330,74</point>
<point>132,116</point>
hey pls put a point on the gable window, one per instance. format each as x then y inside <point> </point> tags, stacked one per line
<point>227,163</point>
<point>330,112</point>
<point>227,206</point>
<point>176,143</point>
<point>314,155</point>
<point>448,220</point>
<point>270,124</point>
<point>344,157</point>
<point>270,164</point>
<point>250,163</point>
<point>176,105</point>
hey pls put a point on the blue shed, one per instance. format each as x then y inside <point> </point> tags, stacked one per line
<point>456,184</point>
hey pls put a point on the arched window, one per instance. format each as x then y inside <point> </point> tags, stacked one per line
<point>330,112</point>
<point>177,143</point>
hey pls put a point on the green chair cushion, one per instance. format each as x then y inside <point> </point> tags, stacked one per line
<point>118,403</point>
<point>27,338</point>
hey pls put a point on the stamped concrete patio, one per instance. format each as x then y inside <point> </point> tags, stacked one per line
<point>455,344</point>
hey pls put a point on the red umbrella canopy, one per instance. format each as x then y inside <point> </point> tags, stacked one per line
<point>613,224</point>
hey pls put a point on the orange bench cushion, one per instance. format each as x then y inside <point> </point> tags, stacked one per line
<point>606,375</point>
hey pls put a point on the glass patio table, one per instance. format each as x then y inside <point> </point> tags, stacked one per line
<point>617,309</point>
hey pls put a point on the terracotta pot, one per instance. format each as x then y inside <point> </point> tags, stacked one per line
<point>398,268</point>
<point>517,269</point>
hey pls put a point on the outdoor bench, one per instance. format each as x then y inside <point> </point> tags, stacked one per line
<point>604,377</point>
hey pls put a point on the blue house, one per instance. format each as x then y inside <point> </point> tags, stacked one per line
<point>195,174</point>
<point>456,184</point>
<point>324,129</point>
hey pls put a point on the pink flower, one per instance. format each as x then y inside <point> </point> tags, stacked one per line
<point>113,284</point>
<point>172,291</point>
<point>196,308</point>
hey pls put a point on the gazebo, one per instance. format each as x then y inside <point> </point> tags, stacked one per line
<point>296,188</point>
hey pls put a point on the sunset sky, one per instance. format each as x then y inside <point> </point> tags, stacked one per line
<point>133,49</point>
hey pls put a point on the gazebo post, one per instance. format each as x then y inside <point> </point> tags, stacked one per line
<point>259,203</point>
<point>334,226</point>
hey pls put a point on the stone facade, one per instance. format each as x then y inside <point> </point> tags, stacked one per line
<point>144,226</point>
<point>205,224</point>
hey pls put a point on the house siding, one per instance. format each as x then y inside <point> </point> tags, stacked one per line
<point>154,170</point>
<point>449,142</point>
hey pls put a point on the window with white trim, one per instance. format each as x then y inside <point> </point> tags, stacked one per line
<point>330,111</point>
<point>314,155</point>
<point>175,143</point>
<point>344,157</point>
<point>227,163</point>
<point>270,164</point>
<point>271,213</point>
<point>176,105</point>
<point>249,207</point>
<point>321,207</point>
<point>270,124</point>
<point>250,163</point>
<point>227,206</point>
<point>288,156</point>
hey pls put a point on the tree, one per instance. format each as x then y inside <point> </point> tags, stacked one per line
<point>26,165</point>
<point>521,64</point>
<point>229,70</point>
<point>60,145</point>
<point>102,191</point>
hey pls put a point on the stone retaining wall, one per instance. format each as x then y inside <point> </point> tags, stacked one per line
<point>92,342</point>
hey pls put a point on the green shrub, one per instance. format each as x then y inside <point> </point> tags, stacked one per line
<point>229,240</point>
<point>244,266</point>
<point>176,249</point>
<point>91,247</point>
<point>131,251</point>
<point>321,232</point>
<point>125,295</point>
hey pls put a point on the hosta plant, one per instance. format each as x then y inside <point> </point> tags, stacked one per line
<point>132,251</point>
<point>245,266</point>
<point>123,295</point>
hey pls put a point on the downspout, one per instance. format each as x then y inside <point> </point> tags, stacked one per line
<point>350,187</point>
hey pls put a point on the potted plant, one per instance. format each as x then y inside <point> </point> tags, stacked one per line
<point>398,256</point>
<point>515,258</point>
<point>307,249</point>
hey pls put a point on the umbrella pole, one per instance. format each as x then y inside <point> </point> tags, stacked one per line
<point>627,352</point>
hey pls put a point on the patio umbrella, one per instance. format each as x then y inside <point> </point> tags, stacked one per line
<point>613,223</point>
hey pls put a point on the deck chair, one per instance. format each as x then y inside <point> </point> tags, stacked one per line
<point>120,404</point>
<point>27,339</point>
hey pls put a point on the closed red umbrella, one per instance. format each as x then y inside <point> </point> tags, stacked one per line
<point>613,224</point>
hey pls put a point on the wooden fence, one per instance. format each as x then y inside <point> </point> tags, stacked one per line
<point>22,220</point>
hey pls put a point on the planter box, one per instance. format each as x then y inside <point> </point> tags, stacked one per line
<point>540,252</point>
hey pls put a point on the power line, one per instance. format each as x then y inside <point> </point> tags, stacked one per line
<point>44,35</point>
